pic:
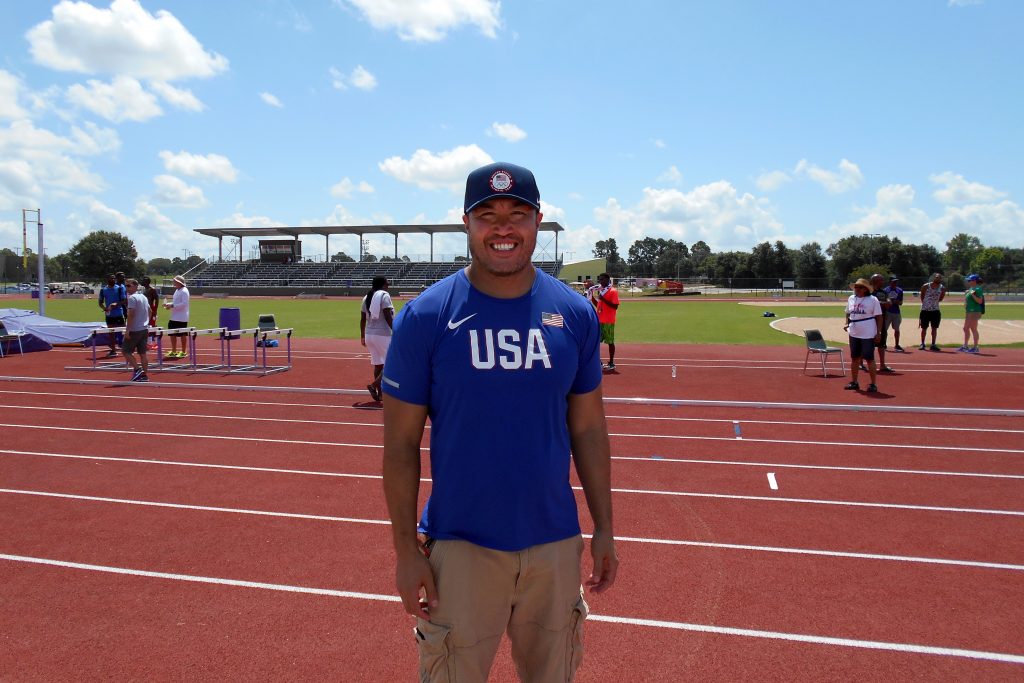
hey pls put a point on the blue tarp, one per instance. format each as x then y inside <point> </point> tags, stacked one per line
<point>41,333</point>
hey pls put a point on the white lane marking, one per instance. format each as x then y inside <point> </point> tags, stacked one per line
<point>628,436</point>
<point>630,539</point>
<point>201,508</point>
<point>199,415</point>
<point>814,501</point>
<point>202,579</point>
<point>910,648</point>
<point>859,426</point>
<point>878,470</point>
<point>772,484</point>
<point>198,436</point>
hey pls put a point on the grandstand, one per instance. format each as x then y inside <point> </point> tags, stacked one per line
<point>281,269</point>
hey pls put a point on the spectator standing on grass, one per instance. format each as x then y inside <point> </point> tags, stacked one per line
<point>606,300</point>
<point>153,299</point>
<point>878,291</point>
<point>137,332</point>
<point>932,292</point>
<point>893,317</point>
<point>506,362</point>
<point>974,303</point>
<point>864,324</point>
<point>376,318</point>
<point>110,300</point>
<point>178,306</point>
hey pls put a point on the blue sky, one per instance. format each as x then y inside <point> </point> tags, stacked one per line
<point>729,121</point>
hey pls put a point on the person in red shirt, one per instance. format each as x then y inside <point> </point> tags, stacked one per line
<point>606,299</point>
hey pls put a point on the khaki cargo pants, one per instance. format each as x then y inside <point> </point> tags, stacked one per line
<point>533,594</point>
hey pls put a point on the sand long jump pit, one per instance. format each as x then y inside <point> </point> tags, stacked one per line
<point>951,330</point>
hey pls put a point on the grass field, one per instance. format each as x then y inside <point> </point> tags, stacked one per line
<point>685,321</point>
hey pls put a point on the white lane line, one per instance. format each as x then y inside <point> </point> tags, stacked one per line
<point>106,396</point>
<point>199,436</point>
<point>628,436</point>
<point>626,539</point>
<point>772,484</point>
<point>907,648</point>
<point>270,420</point>
<point>201,508</point>
<point>787,423</point>
<point>837,468</point>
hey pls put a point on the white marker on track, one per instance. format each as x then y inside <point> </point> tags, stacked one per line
<point>771,481</point>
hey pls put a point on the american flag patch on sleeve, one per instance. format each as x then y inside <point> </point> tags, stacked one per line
<point>553,319</point>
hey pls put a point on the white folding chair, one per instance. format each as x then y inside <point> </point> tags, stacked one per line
<point>816,345</point>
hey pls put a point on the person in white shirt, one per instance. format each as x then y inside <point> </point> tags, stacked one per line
<point>178,306</point>
<point>137,332</point>
<point>375,320</point>
<point>864,324</point>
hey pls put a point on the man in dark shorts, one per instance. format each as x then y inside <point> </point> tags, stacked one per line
<point>153,297</point>
<point>110,300</point>
<point>931,294</point>
<point>878,291</point>
<point>138,326</point>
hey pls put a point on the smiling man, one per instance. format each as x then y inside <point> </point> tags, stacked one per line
<point>505,360</point>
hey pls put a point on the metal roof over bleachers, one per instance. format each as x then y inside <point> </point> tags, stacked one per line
<point>327,230</point>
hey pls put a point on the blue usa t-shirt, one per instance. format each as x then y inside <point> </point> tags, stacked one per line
<point>496,375</point>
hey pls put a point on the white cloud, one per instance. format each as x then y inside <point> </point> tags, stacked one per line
<point>180,98</point>
<point>847,177</point>
<point>672,175</point>
<point>153,233</point>
<point>437,171</point>
<point>240,220</point>
<point>359,78</point>
<point>999,224</point>
<point>124,39</point>
<point>271,100</point>
<point>363,79</point>
<point>430,21</point>
<point>123,99</point>
<point>174,191</point>
<point>772,180</point>
<point>964,3</point>
<point>344,188</point>
<point>509,132</point>
<point>715,213</point>
<point>10,87</point>
<point>659,143</point>
<point>207,167</point>
<point>957,190</point>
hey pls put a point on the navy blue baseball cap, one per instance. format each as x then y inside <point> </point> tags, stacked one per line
<point>501,179</point>
<point>973,277</point>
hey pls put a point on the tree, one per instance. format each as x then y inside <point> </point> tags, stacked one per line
<point>987,264</point>
<point>960,250</point>
<point>159,266</point>
<point>673,261</point>
<point>810,266</point>
<point>699,253</point>
<point>643,255</point>
<point>369,258</point>
<point>609,250</point>
<point>342,257</point>
<point>854,251</point>
<point>101,252</point>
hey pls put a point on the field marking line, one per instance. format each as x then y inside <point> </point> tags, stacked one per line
<point>635,436</point>
<point>338,406</point>
<point>836,468</point>
<point>772,484</point>
<point>782,405</point>
<point>630,539</point>
<point>905,648</point>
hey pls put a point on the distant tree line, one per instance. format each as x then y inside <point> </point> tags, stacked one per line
<point>766,264</point>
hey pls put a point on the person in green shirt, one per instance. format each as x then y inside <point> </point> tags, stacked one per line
<point>974,301</point>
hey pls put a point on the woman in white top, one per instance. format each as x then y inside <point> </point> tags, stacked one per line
<point>376,317</point>
<point>864,323</point>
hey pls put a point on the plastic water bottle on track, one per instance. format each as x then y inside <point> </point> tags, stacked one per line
<point>673,372</point>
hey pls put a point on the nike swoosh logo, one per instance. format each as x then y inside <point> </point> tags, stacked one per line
<point>454,324</point>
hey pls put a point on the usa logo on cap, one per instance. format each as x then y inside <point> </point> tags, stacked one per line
<point>501,181</point>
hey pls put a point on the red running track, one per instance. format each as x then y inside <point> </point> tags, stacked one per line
<point>891,550</point>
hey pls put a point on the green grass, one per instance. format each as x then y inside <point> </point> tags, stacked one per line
<point>679,321</point>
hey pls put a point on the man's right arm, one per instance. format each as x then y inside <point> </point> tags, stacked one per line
<point>403,432</point>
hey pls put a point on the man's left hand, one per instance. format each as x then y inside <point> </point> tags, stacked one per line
<point>606,563</point>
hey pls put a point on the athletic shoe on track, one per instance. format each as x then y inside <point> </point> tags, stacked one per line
<point>921,348</point>
<point>853,386</point>
<point>182,354</point>
<point>886,368</point>
<point>973,349</point>
<point>898,349</point>
<point>141,377</point>
<point>111,354</point>
<point>872,389</point>
<point>608,366</point>
<point>374,392</point>
<point>135,375</point>
<point>963,349</point>
<point>935,348</point>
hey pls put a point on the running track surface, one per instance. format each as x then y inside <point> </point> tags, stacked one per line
<point>771,525</point>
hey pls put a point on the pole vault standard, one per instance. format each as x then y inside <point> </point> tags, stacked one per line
<point>41,277</point>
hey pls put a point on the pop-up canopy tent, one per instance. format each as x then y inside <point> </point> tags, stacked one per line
<point>42,333</point>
